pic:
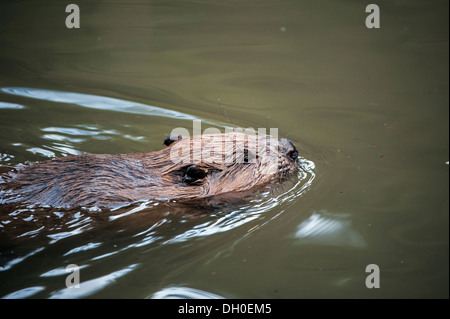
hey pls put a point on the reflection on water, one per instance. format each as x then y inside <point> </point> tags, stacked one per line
<point>24,293</point>
<point>63,141</point>
<point>85,233</point>
<point>4,158</point>
<point>8,265</point>
<point>247,213</point>
<point>228,215</point>
<point>6,105</point>
<point>331,229</point>
<point>59,272</point>
<point>368,107</point>
<point>183,293</point>
<point>96,102</point>
<point>89,287</point>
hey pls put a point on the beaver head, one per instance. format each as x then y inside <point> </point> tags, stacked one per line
<point>214,164</point>
<point>189,168</point>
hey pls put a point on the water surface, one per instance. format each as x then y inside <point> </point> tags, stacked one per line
<point>367,109</point>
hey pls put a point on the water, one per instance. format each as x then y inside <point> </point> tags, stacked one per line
<point>367,109</point>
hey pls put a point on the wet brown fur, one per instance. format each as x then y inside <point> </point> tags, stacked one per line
<point>111,180</point>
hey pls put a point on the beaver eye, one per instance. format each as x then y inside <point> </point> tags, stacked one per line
<point>193,174</point>
<point>293,155</point>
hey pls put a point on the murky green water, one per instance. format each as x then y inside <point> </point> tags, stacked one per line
<point>368,109</point>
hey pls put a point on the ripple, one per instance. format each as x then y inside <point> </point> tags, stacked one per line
<point>183,293</point>
<point>62,235</point>
<point>92,286</point>
<point>262,203</point>
<point>31,233</point>
<point>18,260</point>
<point>41,151</point>
<point>97,102</point>
<point>74,131</point>
<point>330,229</point>
<point>61,271</point>
<point>172,224</point>
<point>62,138</point>
<point>24,293</point>
<point>11,106</point>
<point>5,157</point>
<point>86,247</point>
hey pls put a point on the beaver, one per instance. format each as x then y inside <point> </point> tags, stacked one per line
<point>188,168</point>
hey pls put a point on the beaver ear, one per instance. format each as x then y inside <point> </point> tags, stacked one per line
<point>172,138</point>
<point>193,174</point>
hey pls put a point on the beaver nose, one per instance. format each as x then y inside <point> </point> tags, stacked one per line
<point>289,149</point>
